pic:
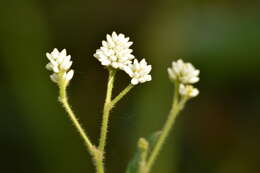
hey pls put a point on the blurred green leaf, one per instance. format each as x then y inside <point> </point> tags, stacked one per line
<point>133,165</point>
<point>152,140</point>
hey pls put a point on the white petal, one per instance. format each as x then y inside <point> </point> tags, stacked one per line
<point>194,92</point>
<point>114,36</point>
<point>143,62</point>
<point>55,69</point>
<point>104,43</point>
<point>69,75</point>
<point>196,72</point>
<point>148,78</point>
<point>113,58</point>
<point>49,66</point>
<point>54,78</point>
<point>55,53</point>
<point>148,69</point>
<point>129,43</point>
<point>105,62</point>
<point>194,80</point>
<point>63,53</point>
<point>66,65</point>
<point>134,81</point>
<point>128,70</point>
<point>49,56</point>
<point>109,39</point>
<point>182,89</point>
<point>60,59</point>
<point>114,64</point>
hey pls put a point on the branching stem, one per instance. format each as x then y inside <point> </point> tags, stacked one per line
<point>121,95</point>
<point>106,110</point>
<point>64,101</point>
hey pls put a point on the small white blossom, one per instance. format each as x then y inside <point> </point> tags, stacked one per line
<point>183,72</point>
<point>188,90</point>
<point>115,51</point>
<point>139,71</point>
<point>60,64</point>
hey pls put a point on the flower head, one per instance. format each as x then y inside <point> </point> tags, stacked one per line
<point>139,71</point>
<point>115,51</point>
<point>60,64</point>
<point>188,91</point>
<point>183,72</point>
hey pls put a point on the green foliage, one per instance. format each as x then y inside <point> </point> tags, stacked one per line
<point>134,164</point>
<point>152,140</point>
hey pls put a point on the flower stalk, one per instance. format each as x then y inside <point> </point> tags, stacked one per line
<point>175,109</point>
<point>105,120</point>
<point>108,106</point>
<point>182,75</point>
<point>106,110</point>
<point>121,95</point>
<point>64,101</point>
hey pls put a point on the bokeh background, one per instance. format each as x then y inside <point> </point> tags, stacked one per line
<point>217,133</point>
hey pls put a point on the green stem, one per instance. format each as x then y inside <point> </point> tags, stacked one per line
<point>94,152</point>
<point>165,131</point>
<point>106,110</point>
<point>121,95</point>
<point>64,100</point>
<point>105,119</point>
<point>100,166</point>
<point>176,94</point>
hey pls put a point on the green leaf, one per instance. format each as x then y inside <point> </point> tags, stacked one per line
<point>133,165</point>
<point>152,139</point>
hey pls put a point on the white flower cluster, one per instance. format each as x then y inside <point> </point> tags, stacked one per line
<point>139,71</point>
<point>115,52</point>
<point>188,90</point>
<point>185,74</point>
<point>60,64</point>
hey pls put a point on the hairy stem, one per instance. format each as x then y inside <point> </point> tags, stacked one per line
<point>106,110</point>
<point>105,119</point>
<point>121,94</point>
<point>100,166</point>
<point>165,131</point>
<point>64,101</point>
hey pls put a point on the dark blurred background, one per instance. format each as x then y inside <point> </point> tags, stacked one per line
<point>217,133</point>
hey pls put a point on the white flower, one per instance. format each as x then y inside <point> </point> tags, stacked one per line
<point>115,51</point>
<point>60,64</point>
<point>139,71</point>
<point>183,72</point>
<point>188,90</point>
